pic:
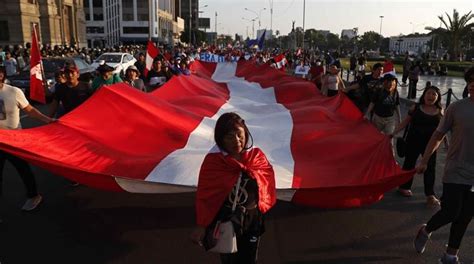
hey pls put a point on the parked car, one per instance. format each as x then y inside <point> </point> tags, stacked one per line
<point>119,61</point>
<point>51,66</point>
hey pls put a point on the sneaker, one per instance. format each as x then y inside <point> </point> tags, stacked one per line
<point>432,201</point>
<point>32,203</point>
<point>449,260</point>
<point>421,239</point>
<point>405,192</point>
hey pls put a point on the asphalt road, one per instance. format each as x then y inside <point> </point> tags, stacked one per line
<point>84,225</point>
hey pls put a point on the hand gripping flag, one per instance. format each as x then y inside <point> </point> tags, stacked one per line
<point>151,52</point>
<point>322,151</point>
<point>37,92</point>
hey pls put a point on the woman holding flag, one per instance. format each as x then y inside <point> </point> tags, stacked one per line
<point>235,165</point>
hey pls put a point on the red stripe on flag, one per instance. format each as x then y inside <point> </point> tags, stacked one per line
<point>334,148</point>
<point>37,92</point>
<point>151,52</point>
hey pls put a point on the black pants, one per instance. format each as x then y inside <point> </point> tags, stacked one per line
<point>457,208</point>
<point>411,156</point>
<point>332,93</point>
<point>247,251</point>
<point>412,89</point>
<point>23,169</point>
<point>405,76</point>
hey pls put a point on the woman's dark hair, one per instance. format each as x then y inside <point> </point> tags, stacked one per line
<point>437,91</point>
<point>2,69</point>
<point>229,122</point>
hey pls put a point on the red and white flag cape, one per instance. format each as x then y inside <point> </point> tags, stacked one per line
<point>36,71</point>
<point>151,52</point>
<point>280,61</point>
<point>323,152</point>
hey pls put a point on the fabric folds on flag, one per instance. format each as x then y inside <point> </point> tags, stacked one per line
<point>151,52</point>
<point>322,151</point>
<point>37,91</point>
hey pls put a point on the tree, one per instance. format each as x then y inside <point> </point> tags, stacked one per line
<point>371,40</point>
<point>457,28</point>
<point>198,36</point>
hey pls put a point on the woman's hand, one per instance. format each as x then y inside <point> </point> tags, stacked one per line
<point>197,235</point>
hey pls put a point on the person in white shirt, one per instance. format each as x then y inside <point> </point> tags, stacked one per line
<point>12,100</point>
<point>11,65</point>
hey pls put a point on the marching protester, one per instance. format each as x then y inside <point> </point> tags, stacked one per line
<point>331,83</point>
<point>106,77</point>
<point>141,65</point>
<point>385,103</point>
<point>132,75</point>
<point>366,87</point>
<point>422,120</point>
<point>457,202</point>
<point>70,94</point>
<point>413,77</point>
<point>317,72</point>
<point>237,184</point>
<point>12,100</point>
<point>11,65</point>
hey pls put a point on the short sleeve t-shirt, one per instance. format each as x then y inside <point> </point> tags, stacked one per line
<point>12,100</point>
<point>72,97</point>
<point>385,103</point>
<point>459,119</point>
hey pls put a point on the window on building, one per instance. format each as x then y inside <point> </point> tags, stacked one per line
<point>142,10</point>
<point>4,32</point>
<point>32,1</point>
<point>98,17</point>
<point>97,3</point>
<point>86,3</point>
<point>95,29</point>
<point>135,30</point>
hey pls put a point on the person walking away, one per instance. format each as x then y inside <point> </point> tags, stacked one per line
<point>234,157</point>
<point>457,202</point>
<point>422,120</point>
<point>385,103</point>
<point>12,100</point>
<point>406,69</point>
<point>332,82</point>
<point>413,77</point>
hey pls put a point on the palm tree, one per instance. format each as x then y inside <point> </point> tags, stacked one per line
<point>456,28</point>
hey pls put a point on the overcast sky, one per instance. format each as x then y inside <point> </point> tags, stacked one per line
<point>400,17</point>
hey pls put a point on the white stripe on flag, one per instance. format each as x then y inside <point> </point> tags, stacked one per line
<point>270,123</point>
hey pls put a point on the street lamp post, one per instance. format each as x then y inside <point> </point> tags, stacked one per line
<point>381,19</point>
<point>253,25</point>
<point>259,14</point>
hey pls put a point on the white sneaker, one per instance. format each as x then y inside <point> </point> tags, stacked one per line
<point>32,203</point>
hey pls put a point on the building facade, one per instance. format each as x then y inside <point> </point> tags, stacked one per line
<point>60,22</point>
<point>132,22</point>
<point>415,45</point>
<point>349,33</point>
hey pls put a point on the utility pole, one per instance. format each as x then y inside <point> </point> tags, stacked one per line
<point>190,21</point>
<point>304,12</point>
<point>150,19</point>
<point>271,16</point>
<point>215,29</point>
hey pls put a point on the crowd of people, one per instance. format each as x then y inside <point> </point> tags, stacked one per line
<point>375,94</point>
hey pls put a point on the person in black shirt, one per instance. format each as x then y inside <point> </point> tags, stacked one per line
<point>366,87</point>
<point>141,65</point>
<point>422,120</point>
<point>384,104</point>
<point>71,94</point>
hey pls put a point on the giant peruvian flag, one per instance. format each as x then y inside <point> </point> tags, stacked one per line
<point>323,152</point>
<point>36,70</point>
<point>151,52</point>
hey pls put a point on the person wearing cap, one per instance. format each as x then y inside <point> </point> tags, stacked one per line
<point>70,94</point>
<point>12,100</point>
<point>457,201</point>
<point>132,75</point>
<point>384,104</point>
<point>106,77</point>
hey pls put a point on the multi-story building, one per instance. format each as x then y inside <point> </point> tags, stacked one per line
<point>411,44</point>
<point>102,22</point>
<point>132,22</point>
<point>60,22</point>
<point>349,33</point>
